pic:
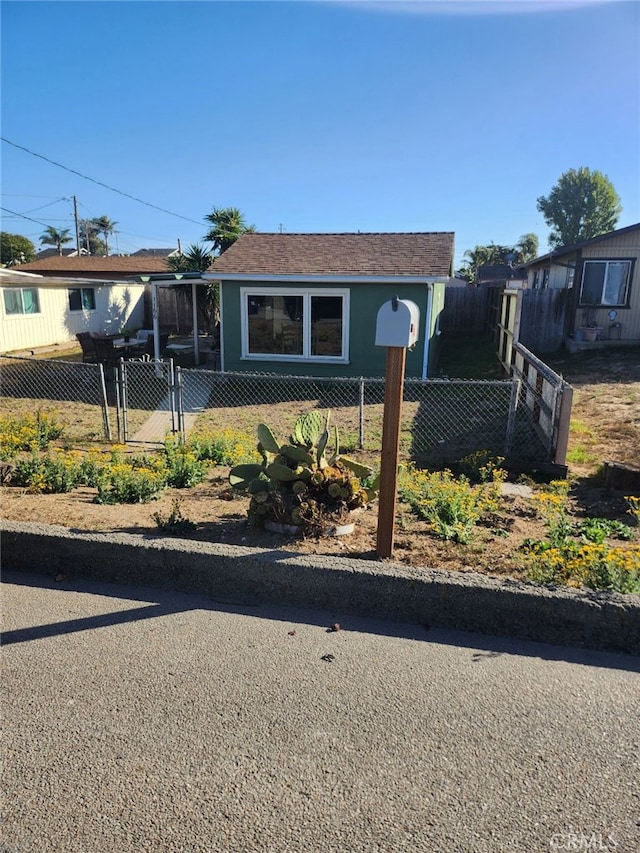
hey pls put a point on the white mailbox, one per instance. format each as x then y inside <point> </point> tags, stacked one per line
<point>397,323</point>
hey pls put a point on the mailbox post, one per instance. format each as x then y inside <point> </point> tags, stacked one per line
<point>396,329</point>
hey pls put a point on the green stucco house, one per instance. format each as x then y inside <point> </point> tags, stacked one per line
<point>306,304</point>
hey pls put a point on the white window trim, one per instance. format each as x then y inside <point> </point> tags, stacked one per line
<point>82,309</point>
<point>306,294</point>
<point>22,314</point>
<point>608,261</point>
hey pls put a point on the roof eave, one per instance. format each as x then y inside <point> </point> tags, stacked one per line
<point>569,250</point>
<point>345,278</point>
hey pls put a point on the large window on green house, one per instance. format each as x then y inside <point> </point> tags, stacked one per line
<point>606,282</point>
<point>82,299</point>
<point>21,300</point>
<point>295,325</point>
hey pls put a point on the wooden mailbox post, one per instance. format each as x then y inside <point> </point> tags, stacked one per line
<point>396,328</point>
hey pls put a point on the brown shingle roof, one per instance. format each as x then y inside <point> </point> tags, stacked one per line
<point>376,254</point>
<point>92,265</point>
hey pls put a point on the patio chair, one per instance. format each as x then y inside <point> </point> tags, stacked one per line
<point>149,347</point>
<point>86,341</point>
<point>105,352</point>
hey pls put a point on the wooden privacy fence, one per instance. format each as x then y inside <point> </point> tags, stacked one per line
<point>535,318</point>
<point>466,310</point>
<point>542,319</point>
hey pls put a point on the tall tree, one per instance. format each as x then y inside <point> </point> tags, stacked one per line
<point>195,259</point>
<point>582,204</point>
<point>481,255</point>
<point>106,226</point>
<point>228,224</point>
<point>526,248</point>
<point>89,239</point>
<point>198,259</point>
<point>15,249</point>
<point>53,237</point>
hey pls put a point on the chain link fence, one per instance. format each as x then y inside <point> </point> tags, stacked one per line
<point>76,393</point>
<point>443,420</point>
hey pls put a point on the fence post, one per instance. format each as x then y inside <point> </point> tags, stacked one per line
<point>124,404</point>
<point>172,395</point>
<point>563,420</point>
<point>361,413</point>
<point>105,405</point>
<point>180,401</point>
<point>119,408</point>
<point>511,419</point>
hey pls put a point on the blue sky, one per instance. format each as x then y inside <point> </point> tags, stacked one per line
<point>315,116</point>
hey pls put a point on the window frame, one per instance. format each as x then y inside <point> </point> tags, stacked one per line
<point>82,291</point>
<point>22,313</point>
<point>306,293</point>
<point>627,286</point>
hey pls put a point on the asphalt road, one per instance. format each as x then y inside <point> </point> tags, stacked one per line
<point>138,720</point>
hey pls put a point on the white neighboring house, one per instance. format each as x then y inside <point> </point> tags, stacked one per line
<point>38,311</point>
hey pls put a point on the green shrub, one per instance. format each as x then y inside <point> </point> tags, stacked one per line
<point>598,529</point>
<point>48,473</point>
<point>28,432</point>
<point>481,466</point>
<point>451,505</point>
<point>184,468</point>
<point>130,482</point>
<point>224,447</point>
<point>591,565</point>
<point>175,523</point>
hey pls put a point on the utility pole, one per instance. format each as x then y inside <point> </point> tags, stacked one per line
<point>75,214</point>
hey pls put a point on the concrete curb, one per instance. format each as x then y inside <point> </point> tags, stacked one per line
<point>469,602</point>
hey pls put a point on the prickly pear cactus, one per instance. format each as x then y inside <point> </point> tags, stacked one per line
<point>296,484</point>
<point>308,429</point>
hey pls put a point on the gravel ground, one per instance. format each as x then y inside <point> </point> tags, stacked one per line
<point>138,720</point>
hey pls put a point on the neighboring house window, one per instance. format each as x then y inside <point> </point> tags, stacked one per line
<point>536,279</point>
<point>571,275</point>
<point>295,324</point>
<point>21,300</point>
<point>605,283</point>
<point>82,299</point>
<point>545,279</point>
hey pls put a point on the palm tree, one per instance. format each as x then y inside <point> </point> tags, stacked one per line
<point>53,237</point>
<point>473,260</point>
<point>526,248</point>
<point>198,259</point>
<point>104,225</point>
<point>228,224</point>
<point>195,259</point>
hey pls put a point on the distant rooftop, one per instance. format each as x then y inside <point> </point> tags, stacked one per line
<point>66,253</point>
<point>154,253</point>
<point>96,265</point>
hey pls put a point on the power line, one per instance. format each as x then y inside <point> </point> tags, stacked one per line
<point>22,216</point>
<point>48,204</point>
<point>100,183</point>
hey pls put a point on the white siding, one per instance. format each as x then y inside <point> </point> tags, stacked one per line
<point>117,305</point>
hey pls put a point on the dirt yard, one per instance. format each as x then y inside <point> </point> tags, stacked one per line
<point>605,427</point>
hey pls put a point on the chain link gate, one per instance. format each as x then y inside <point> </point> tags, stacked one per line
<point>146,398</point>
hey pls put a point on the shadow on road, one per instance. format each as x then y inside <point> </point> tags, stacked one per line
<point>482,648</point>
